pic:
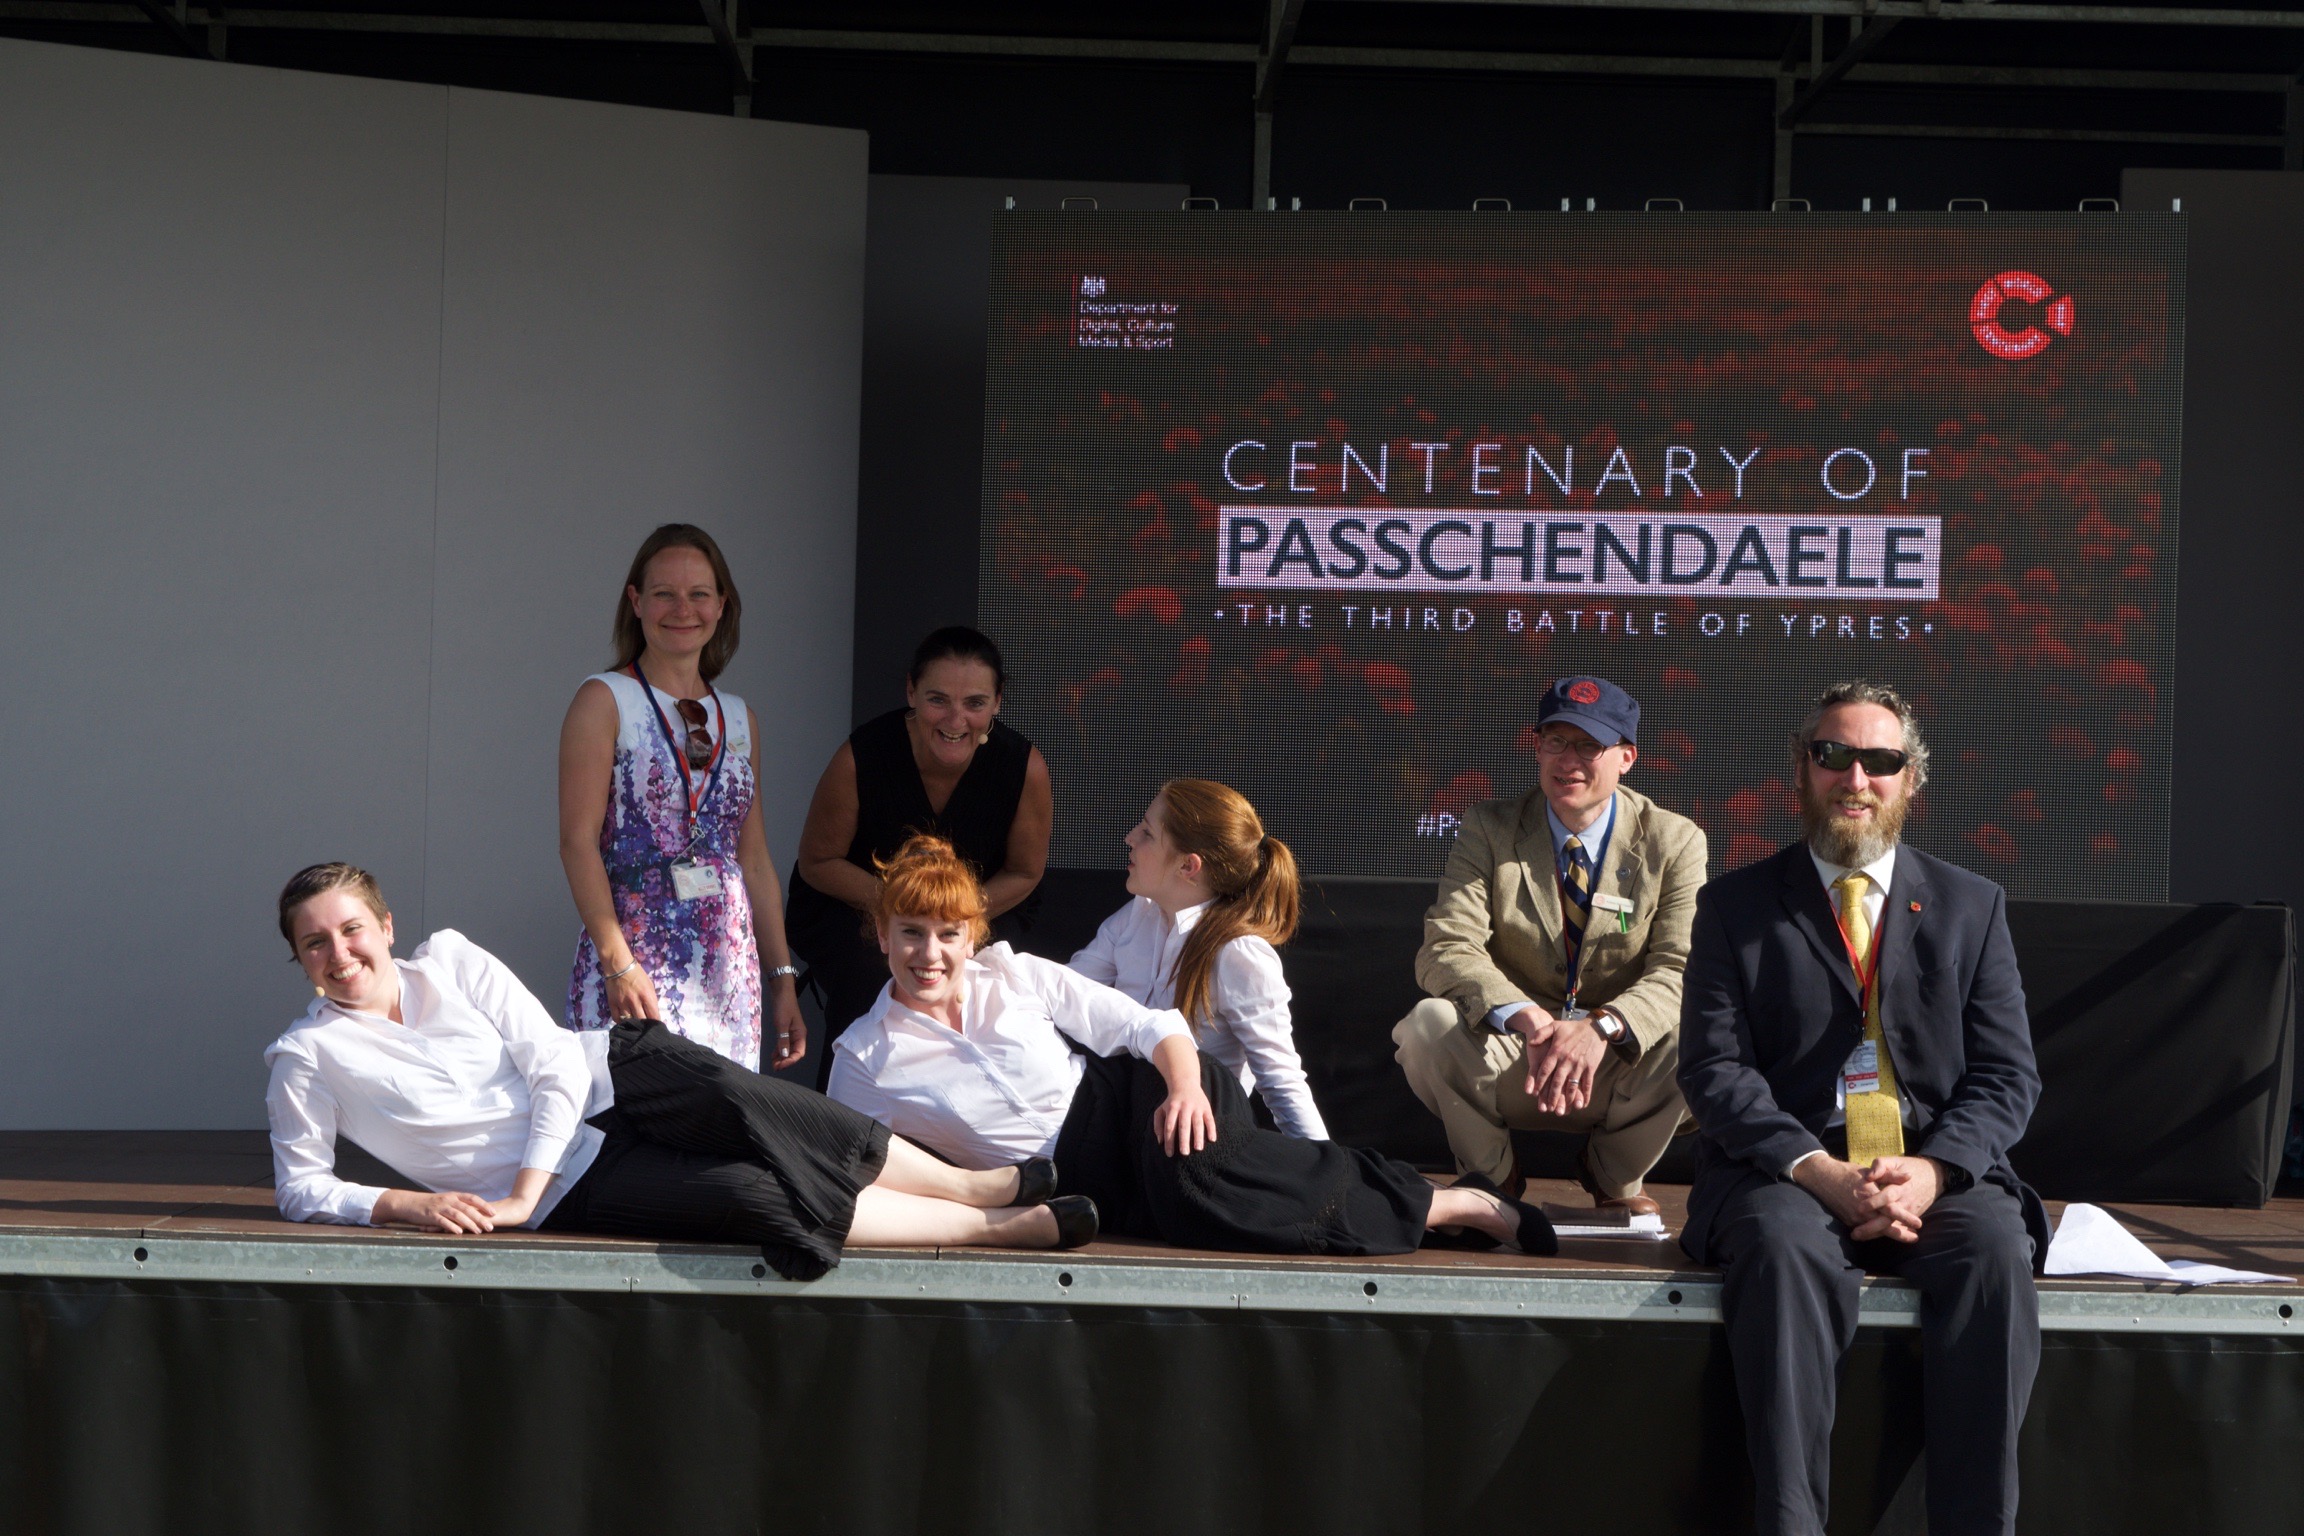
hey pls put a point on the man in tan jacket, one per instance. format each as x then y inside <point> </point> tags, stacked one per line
<point>1553,957</point>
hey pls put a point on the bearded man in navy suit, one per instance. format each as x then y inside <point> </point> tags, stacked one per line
<point>1855,1050</point>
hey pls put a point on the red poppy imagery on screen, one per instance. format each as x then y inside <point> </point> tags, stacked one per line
<point>1320,505</point>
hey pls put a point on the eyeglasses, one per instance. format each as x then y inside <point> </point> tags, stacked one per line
<point>1556,743</point>
<point>699,739</point>
<point>1837,757</point>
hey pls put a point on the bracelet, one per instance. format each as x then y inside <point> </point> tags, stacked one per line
<point>783,970</point>
<point>607,979</point>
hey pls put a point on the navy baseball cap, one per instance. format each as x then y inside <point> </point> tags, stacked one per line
<point>1593,705</point>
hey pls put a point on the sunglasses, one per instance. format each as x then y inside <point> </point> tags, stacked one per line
<point>1837,757</point>
<point>699,739</point>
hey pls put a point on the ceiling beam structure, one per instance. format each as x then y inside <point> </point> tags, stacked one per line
<point>1799,77</point>
<point>1279,38</point>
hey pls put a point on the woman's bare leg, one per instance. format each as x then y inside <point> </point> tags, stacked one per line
<point>889,1218</point>
<point>1474,1208</point>
<point>910,1171</point>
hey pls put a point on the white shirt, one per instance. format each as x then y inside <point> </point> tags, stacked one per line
<point>994,1091</point>
<point>477,1084</point>
<point>1247,1028</point>
<point>1594,841</point>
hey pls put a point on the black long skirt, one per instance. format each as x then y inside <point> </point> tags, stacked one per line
<point>1249,1191</point>
<point>700,1149</point>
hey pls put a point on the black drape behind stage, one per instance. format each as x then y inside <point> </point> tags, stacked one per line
<point>2164,1034</point>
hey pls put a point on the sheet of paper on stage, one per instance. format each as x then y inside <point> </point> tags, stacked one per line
<point>1649,1225</point>
<point>2089,1241</point>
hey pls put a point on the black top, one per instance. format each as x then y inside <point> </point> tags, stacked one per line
<point>892,804</point>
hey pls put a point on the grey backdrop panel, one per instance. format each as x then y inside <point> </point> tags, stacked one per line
<point>330,412</point>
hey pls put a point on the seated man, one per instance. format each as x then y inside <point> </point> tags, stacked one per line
<point>1855,1049</point>
<point>1553,958</point>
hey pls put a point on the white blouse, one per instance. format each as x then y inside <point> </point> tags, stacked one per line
<point>994,1091</point>
<point>1248,1027</point>
<point>477,1084</point>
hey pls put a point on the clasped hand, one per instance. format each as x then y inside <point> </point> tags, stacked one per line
<point>1563,1058</point>
<point>1885,1199</point>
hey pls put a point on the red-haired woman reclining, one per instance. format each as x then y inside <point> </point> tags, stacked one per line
<point>996,1057</point>
<point>445,1067</point>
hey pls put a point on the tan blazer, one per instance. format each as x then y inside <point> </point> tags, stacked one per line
<point>1493,937</point>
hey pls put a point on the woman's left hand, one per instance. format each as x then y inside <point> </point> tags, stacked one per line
<point>785,1023</point>
<point>1185,1121</point>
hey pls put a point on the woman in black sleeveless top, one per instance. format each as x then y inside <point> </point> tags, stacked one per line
<point>943,765</point>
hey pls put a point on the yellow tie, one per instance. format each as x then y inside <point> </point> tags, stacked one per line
<point>1875,1119</point>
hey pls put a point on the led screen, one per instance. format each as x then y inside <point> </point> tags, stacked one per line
<point>1319,504</point>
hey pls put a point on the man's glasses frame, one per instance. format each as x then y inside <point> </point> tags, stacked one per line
<point>1839,757</point>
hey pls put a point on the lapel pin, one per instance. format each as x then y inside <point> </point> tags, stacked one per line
<point>1915,906</point>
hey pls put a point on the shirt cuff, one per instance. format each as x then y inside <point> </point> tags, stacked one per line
<point>1803,1157</point>
<point>1500,1017</point>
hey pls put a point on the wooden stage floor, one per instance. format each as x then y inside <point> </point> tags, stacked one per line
<point>155,1185</point>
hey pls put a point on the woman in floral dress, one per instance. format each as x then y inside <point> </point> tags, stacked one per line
<point>660,821</point>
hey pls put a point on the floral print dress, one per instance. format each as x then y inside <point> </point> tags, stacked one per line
<point>700,954</point>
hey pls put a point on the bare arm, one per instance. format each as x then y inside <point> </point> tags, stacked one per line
<point>781,997</point>
<point>1027,856</point>
<point>587,768</point>
<point>829,829</point>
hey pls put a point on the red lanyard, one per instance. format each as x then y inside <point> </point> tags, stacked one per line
<point>1865,978</point>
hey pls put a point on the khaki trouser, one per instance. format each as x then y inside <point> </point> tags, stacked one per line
<point>1476,1081</point>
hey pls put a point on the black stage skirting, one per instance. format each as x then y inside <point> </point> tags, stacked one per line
<point>179,1409</point>
<point>2164,1034</point>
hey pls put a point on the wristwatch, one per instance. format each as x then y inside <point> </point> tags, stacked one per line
<point>1613,1029</point>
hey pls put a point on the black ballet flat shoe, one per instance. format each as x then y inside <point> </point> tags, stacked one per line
<point>1535,1236</point>
<point>1076,1220</point>
<point>1035,1181</point>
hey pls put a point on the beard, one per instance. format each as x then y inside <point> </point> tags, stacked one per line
<point>1851,844</point>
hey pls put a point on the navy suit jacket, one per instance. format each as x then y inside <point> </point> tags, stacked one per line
<point>1769,1013</point>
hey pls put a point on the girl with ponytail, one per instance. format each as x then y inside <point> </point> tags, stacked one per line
<point>993,1058</point>
<point>1214,898</point>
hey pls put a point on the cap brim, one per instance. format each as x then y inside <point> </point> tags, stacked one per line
<point>1599,730</point>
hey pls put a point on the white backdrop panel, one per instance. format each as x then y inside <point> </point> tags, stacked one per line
<point>651,317</point>
<point>330,412</point>
<point>219,300</point>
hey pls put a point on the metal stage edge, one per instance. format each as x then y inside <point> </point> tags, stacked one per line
<point>1042,1279</point>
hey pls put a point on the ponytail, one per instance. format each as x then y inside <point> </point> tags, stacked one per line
<point>1251,874</point>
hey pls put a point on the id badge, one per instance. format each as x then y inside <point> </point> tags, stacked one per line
<point>1573,1012</point>
<point>690,882</point>
<point>1862,1074</point>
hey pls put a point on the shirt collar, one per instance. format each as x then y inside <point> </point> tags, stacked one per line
<point>1188,919</point>
<point>1593,837</point>
<point>1881,869</point>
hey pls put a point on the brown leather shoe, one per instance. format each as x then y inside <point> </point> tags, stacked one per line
<point>1638,1205</point>
<point>1514,1187</point>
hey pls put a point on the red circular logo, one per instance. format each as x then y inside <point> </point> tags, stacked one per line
<point>1584,691</point>
<point>1997,339</point>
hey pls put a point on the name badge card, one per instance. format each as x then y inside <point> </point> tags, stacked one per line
<point>1862,1074</point>
<point>691,882</point>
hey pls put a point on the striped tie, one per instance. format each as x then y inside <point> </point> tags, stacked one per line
<point>1575,904</point>
<point>1876,1119</point>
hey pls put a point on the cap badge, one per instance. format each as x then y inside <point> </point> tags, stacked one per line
<point>1584,691</point>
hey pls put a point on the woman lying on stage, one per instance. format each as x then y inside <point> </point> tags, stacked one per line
<point>447,1068</point>
<point>995,1057</point>
<point>1213,897</point>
